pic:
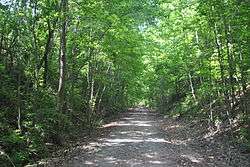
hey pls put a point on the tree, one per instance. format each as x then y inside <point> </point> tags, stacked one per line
<point>62,59</point>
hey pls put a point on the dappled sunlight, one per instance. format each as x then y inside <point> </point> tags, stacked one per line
<point>173,127</point>
<point>112,124</point>
<point>111,161</point>
<point>128,122</point>
<point>137,141</point>
<point>140,113</point>
<point>157,140</point>
<point>134,133</point>
<point>193,158</point>
<point>141,122</point>
<point>149,155</point>
<point>89,163</point>
<point>131,124</point>
<point>127,118</point>
<point>146,141</point>
<point>113,144</point>
<point>180,142</point>
<point>156,162</point>
<point>122,140</point>
<point>115,124</point>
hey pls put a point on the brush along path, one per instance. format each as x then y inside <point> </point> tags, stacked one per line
<point>143,138</point>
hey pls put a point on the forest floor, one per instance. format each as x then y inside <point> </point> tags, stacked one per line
<point>143,138</point>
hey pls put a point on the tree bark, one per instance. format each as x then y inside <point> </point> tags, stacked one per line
<point>1,44</point>
<point>47,51</point>
<point>103,90</point>
<point>90,88</point>
<point>191,85</point>
<point>230,61</point>
<point>62,57</point>
<point>242,69</point>
<point>220,57</point>
<point>19,101</point>
<point>35,47</point>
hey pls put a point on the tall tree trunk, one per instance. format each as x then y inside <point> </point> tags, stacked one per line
<point>1,44</point>
<point>90,88</point>
<point>191,85</point>
<point>19,100</point>
<point>242,69</point>
<point>230,61</point>
<point>47,51</point>
<point>103,90</point>
<point>220,57</point>
<point>62,58</point>
<point>91,102</point>
<point>200,58</point>
<point>35,47</point>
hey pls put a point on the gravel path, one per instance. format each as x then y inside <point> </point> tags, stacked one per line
<point>139,138</point>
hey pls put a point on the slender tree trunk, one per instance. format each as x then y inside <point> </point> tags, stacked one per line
<point>243,74</point>
<point>35,48</point>
<point>1,44</point>
<point>230,62</point>
<point>90,88</point>
<point>222,68</point>
<point>197,38</point>
<point>103,90</point>
<point>48,48</point>
<point>242,70</point>
<point>62,58</point>
<point>220,57</point>
<point>19,101</point>
<point>91,83</point>
<point>191,85</point>
<point>200,59</point>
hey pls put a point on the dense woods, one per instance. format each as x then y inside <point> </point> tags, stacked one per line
<point>67,65</point>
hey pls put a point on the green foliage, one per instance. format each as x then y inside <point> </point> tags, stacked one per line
<point>15,142</point>
<point>182,57</point>
<point>197,61</point>
<point>104,63</point>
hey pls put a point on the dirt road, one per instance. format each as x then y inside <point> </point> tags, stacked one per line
<point>141,138</point>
